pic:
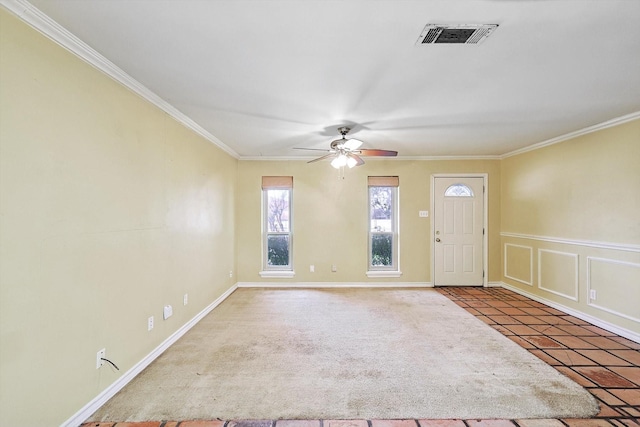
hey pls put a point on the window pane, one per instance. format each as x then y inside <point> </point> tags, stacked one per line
<point>381,201</point>
<point>458,190</point>
<point>278,210</point>
<point>278,250</point>
<point>381,250</point>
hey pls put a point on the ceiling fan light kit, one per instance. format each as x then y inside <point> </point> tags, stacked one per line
<point>344,160</point>
<point>347,152</point>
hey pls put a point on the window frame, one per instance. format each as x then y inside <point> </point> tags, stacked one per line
<point>392,270</point>
<point>279,184</point>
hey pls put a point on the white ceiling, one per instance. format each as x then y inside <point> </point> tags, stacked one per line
<point>264,76</point>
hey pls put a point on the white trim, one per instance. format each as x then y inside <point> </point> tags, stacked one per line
<point>600,126</point>
<point>623,332</point>
<point>437,158</point>
<point>374,159</point>
<point>91,407</point>
<point>556,140</point>
<point>277,274</point>
<point>589,243</point>
<point>383,273</point>
<point>57,33</point>
<point>485,221</point>
<point>54,31</point>
<point>600,307</point>
<point>335,285</point>
<point>493,284</point>
<point>530,282</point>
<point>575,270</point>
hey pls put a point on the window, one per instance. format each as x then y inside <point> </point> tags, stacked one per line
<point>277,224</point>
<point>383,223</point>
<point>458,190</point>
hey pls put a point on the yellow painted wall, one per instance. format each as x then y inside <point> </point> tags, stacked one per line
<point>109,209</point>
<point>330,217</point>
<point>584,188</point>
<point>574,208</point>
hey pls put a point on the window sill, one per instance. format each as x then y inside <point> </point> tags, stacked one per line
<point>382,273</point>
<point>278,274</point>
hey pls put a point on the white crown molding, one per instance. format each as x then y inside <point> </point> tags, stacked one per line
<point>600,126</point>
<point>588,243</point>
<point>604,125</point>
<point>432,158</point>
<point>408,158</point>
<point>54,31</point>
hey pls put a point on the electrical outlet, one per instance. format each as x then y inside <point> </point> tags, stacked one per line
<point>423,214</point>
<point>230,273</point>
<point>334,268</point>
<point>99,356</point>
<point>592,294</point>
<point>185,299</point>
<point>312,268</point>
<point>150,323</point>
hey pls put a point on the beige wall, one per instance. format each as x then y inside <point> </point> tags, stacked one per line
<point>571,223</point>
<point>330,217</point>
<point>109,209</point>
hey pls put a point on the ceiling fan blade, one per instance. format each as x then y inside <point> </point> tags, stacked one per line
<point>321,158</point>
<point>352,144</point>
<point>376,152</point>
<point>358,158</point>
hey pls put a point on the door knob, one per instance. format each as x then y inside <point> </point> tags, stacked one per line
<point>437,239</point>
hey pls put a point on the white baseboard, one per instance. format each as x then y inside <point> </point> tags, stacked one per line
<point>623,332</point>
<point>335,285</point>
<point>84,413</point>
<point>493,285</point>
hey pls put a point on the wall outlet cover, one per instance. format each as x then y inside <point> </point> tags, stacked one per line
<point>99,356</point>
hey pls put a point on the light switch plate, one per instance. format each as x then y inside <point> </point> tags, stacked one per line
<point>167,312</point>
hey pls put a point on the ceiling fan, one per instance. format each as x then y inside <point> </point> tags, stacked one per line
<point>347,152</point>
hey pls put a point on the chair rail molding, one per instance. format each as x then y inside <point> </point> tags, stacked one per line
<point>627,247</point>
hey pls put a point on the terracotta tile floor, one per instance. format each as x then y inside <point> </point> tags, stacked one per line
<point>604,363</point>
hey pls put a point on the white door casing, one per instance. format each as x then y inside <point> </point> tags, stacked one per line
<point>458,230</point>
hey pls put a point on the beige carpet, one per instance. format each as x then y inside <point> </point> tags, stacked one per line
<point>345,354</point>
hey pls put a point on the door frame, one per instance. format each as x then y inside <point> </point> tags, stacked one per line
<point>485,222</point>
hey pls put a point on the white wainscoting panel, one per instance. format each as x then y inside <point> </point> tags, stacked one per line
<point>616,285</point>
<point>518,263</point>
<point>558,273</point>
<point>598,280</point>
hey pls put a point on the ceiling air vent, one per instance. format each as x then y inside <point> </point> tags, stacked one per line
<point>455,34</point>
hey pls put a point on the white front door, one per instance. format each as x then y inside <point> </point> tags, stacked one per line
<point>458,218</point>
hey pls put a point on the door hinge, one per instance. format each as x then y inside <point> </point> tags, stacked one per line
<point>483,274</point>
<point>483,231</point>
